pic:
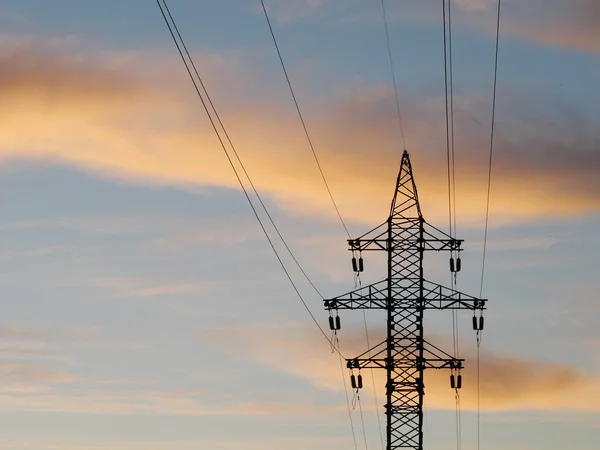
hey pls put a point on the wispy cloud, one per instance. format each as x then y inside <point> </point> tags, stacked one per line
<point>102,120</point>
<point>43,344</point>
<point>572,25</point>
<point>166,289</point>
<point>23,377</point>
<point>39,384</point>
<point>288,11</point>
<point>136,287</point>
<point>127,401</point>
<point>90,226</point>
<point>299,442</point>
<point>539,241</point>
<point>474,5</point>
<point>13,18</point>
<point>509,382</point>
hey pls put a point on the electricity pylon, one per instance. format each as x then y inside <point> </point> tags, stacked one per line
<point>405,295</point>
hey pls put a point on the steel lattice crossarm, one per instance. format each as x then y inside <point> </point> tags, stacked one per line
<point>433,358</point>
<point>377,239</point>
<point>435,296</point>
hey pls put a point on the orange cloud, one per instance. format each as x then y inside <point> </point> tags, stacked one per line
<point>508,383</point>
<point>109,122</point>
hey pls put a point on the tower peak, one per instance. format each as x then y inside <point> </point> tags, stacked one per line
<point>405,203</point>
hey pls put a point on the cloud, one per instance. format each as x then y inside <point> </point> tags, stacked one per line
<point>299,442</point>
<point>111,283</point>
<point>132,287</point>
<point>161,233</point>
<point>508,382</point>
<point>167,289</point>
<point>542,241</point>
<point>89,226</point>
<point>23,377</point>
<point>38,383</point>
<point>127,401</point>
<point>12,17</point>
<point>572,25</point>
<point>42,343</point>
<point>36,375</point>
<point>289,11</point>
<point>104,119</point>
<point>473,5</point>
<point>192,233</point>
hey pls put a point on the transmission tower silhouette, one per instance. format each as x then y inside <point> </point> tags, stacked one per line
<point>405,295</point>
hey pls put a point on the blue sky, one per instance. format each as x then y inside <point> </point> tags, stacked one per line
<point>142,306</point>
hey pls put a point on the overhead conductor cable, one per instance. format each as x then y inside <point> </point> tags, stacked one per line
<point>487,215</point>
<point>181,48</point>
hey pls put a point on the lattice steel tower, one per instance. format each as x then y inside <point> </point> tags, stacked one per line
<point>405,295</point>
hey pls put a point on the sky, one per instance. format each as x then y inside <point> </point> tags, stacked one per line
<point>142,306</point>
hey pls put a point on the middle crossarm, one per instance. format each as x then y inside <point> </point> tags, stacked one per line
<point>435,296</point>
<point>433,358</point>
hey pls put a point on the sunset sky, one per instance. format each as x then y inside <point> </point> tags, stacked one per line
<point>142,307</point>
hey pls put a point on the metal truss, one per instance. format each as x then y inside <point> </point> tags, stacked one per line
<point>405,295</point>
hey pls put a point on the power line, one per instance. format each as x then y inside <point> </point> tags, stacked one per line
<point>229,159</point>
<point>308,138</point>
<point>450,151</point>
<point>393,72</point>
<point>249,180</point>
<point>493,126</point>
<point>373,380</point>
<point>487,214</point>
<point>337,341</point>
<point>447,116</point>
<point>449,102</point>
<point>310,143</point>
<point>451,80</point>
<point>362,420</point>
<point>478,392</point>
<point>218,117</point>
